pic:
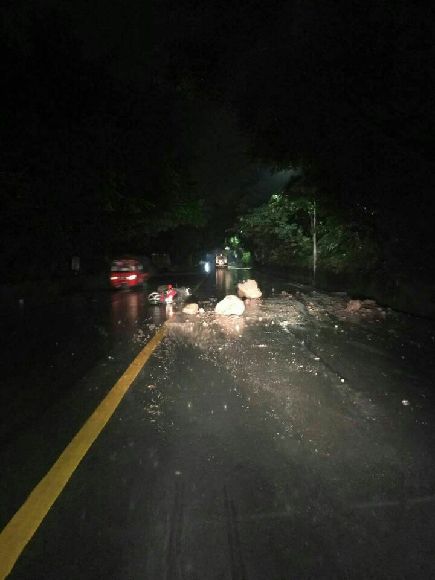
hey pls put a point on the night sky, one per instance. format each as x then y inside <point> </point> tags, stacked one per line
<point>158,112</point>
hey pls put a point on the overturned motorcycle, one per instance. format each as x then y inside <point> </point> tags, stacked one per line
<point>167,294</point>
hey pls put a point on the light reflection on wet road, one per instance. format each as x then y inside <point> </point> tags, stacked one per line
<point>294,442</point>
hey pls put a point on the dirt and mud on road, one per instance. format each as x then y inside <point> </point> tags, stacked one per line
<point>328,449</point>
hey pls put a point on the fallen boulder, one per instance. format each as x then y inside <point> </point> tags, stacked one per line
<point>230,305</point>
<point>353,305</point>
<point>191,308</point>
<point>249,289</point>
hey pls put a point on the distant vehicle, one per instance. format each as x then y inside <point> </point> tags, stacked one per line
<point>128,272</point>
<point>221,260</point>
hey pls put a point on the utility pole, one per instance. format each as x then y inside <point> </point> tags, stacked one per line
<point>314,222</point>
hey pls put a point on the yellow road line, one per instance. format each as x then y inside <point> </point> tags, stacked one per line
<point>19,531</point>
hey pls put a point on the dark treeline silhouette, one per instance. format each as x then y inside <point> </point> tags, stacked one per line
<point>343,90</point>
<point>89,163</point>
<point>95,104</point>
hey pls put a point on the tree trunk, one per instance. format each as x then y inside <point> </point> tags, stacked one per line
<point>314,232</point>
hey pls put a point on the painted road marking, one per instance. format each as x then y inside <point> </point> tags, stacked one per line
<point>19,531</point>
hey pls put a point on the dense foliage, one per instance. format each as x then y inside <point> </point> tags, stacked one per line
<point>281,233</point>
<point>340,88</point>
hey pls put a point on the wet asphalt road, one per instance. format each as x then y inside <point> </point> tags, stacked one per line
<point>295,442</point>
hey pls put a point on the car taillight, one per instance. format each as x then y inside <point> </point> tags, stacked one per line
<point>114,277</point>
<point>132,277</point>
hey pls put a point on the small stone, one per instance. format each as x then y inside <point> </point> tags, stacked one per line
<point>191,308</point>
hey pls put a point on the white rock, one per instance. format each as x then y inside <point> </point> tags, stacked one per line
<point>230,305</point>
<point>249,289</point>
<point>191,308</point>
<point>353,305</point>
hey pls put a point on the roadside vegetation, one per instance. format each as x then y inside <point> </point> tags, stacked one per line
<point>283,233</point>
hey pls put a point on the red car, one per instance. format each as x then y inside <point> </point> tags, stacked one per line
<point>128,273</point>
